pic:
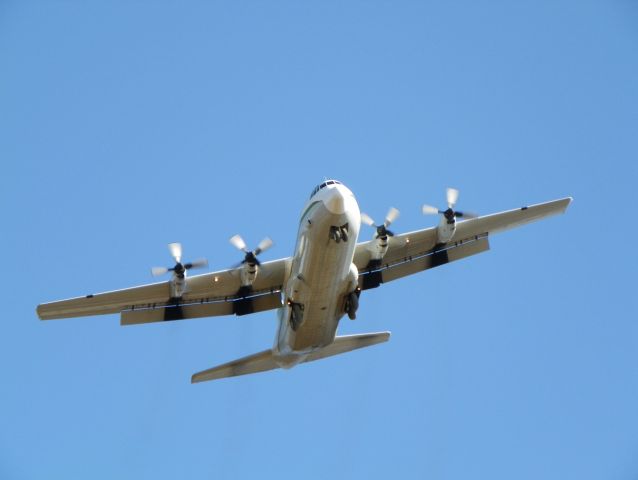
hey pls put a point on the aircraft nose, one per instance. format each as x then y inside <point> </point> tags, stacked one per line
<point>335,202</point>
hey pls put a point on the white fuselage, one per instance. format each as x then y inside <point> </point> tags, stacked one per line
<point>322,274</point>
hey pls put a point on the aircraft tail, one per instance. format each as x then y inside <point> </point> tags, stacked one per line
<point>263,361</point>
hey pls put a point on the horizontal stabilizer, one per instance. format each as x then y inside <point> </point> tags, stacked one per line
<point>263,361</point>
<point>347,343</point>
<point>258,362</point>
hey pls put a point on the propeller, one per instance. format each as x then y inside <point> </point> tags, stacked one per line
<point>180,268</point>
<point>452,196</point>
<point>382,230</point>
<point>251,256</point>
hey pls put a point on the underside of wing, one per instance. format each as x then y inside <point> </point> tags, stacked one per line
<point>210,294</point>
<point>499,222</point>
<point>184,311</point>
<point>435,257</point>
<point>414,252</point>
<point>104,303</point>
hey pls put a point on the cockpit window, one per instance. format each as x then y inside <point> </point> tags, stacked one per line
<point>324,184</point>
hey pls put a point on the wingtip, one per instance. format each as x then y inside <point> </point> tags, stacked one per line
<point>199,377</point>
<point>568,202</point>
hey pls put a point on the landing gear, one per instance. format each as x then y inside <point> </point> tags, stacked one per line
<point>296,315</point>
<point>339,233</point>
<point>352,303</point>
<point>335,234</point>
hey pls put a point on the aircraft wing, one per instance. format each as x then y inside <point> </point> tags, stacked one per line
<point>414,252</point>
<point>210,294</point>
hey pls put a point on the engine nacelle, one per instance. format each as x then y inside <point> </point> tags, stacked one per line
<point>379,247</point>
<point>248,274</point>
<point>446,229</point>
<point>177,285</point>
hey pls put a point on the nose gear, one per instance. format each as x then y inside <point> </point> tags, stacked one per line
<point>339,233</point>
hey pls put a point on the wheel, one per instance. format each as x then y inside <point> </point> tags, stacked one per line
<point>337,235</point>
<point>352,306</point>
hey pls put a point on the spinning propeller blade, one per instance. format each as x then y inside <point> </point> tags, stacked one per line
<point>238,242</point>
<point>382,230</point>
<point>179,269</point>
<point>157,271</point>
<point>365,218</point>
<point>251,256</point>
<point>430,210</point>
<point>452,196</point>
<point>392,215</point>
<point>264,245</point>
<point>466,214</point>
<point>199,263</point>
<point>176,251</point>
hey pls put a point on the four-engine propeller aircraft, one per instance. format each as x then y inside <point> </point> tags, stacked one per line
<point>313,289</point>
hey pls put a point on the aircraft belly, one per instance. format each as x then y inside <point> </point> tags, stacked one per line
<point>319,281</point>
<point>323,283</point>
<point>321,312</point>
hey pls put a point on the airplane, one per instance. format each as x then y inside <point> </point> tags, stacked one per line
<point>315,287</point>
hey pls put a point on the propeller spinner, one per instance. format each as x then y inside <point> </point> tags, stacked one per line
<point>251,256</point>
<point>450,214</point>
<point>382,230</point>
<point>180,268</point>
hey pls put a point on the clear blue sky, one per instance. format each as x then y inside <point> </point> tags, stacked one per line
<point>128,125</point>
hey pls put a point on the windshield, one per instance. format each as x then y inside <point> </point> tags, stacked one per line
<point>323,185</point>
